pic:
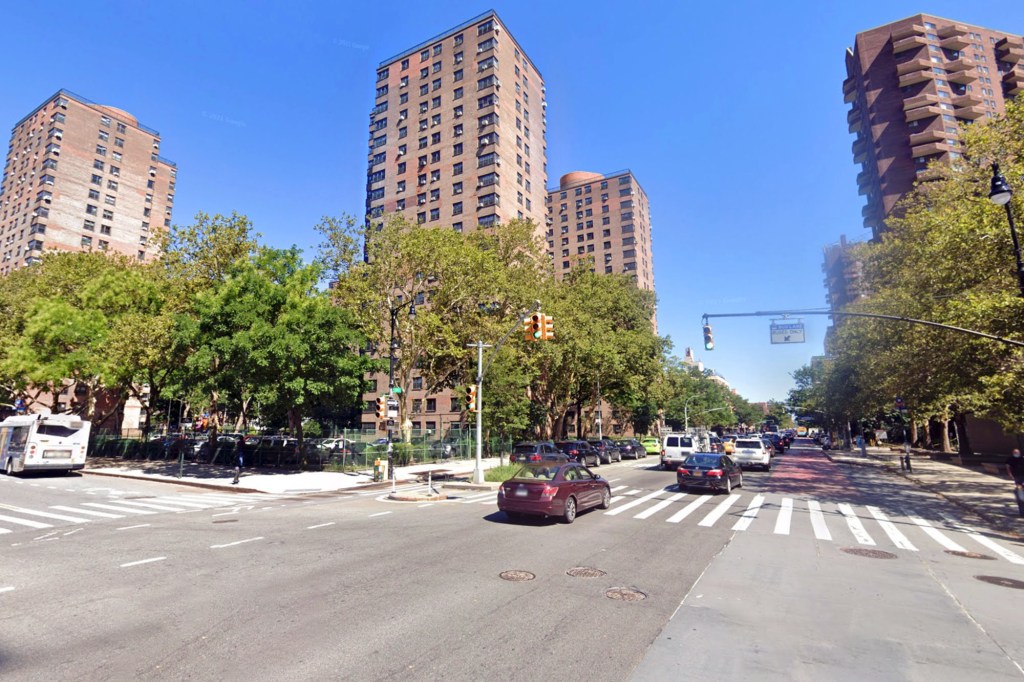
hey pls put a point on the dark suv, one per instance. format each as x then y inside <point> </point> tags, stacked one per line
<point>580,451</point>
<point>607,450</point>
<point>536,451</point>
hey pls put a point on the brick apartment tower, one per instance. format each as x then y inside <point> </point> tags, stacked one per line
<point>910,84</point>
<point>82,176</point>
<point>457,141</point>
<point>605,219</point>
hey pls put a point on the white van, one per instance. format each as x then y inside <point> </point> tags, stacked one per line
<point>676,447</point>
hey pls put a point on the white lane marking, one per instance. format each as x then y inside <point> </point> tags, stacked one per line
<point>818,521</point>
<point>782,522</point>
<point>658,507</point>
<point>634,491</point>
<point>856,527</point>
<point>982,540</point>
<point>428,504</point>
<point>633,503</point>
<point>749,514</point>
<point>141,525</point>
<point>46,536</point>
<point>88,512</point>
<point>6,589</point>
<point>111,507</point>
<point>619,487</point>
<point>239,542</point>
<point>320,525</point>
<point>934,533</point>
<point>183,503</point>
<point>149,505</point>
<point>72,532</point>
<point>687,510</point>
<point>25,522</point>
<point>493,500</point>
<point>378,514</point>
<point>718,511</point>
<point>45,515</point>
<point>4,530</point>
<point>476,498</point>
<point>143,561</point>
<point>898,538</point>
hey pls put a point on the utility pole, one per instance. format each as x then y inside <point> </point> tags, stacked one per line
<point>478,472</point>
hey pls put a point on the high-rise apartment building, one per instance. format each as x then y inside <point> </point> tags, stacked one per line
<point>603,219</point>
<point>82,176</point>
<point>910,84</point>
<point>843,275</point>
<point>457,133</point>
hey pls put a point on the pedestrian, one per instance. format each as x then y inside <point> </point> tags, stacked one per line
<point>239,460</point>
<point>1015,467</point>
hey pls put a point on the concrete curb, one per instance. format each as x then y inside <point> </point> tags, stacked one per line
<point>458,485</point>
<point>176,481</point>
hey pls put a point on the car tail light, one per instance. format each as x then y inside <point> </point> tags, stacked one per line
<point>683,472</point>
<point>548,492</point>
<point>574,453</point>
<point>715,472</point>
<point>534,458</point>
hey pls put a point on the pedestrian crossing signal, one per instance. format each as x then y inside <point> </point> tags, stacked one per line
<point>709,340</point>
<point>548,328</point>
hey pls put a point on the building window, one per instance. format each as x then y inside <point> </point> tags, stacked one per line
<point>118,142</point>
<point>91,210</point>
<point>103,245</point>
<point>457,169</point>
<point>110,200</point>
<point>94,194</point>
<point>435,213</point>
<point>121,127</point>
<point>97,180</point>
<point>457,208</point>
<point>104,135</point>
<point>89,225</point>
<point>105,120</point>
<point>109,215</point>
<point>431,405</point>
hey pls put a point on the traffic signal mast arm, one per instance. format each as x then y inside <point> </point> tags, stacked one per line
<point>877,316</point>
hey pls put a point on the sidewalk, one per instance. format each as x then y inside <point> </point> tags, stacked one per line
<point>272,480</point>
<point>970,487</point>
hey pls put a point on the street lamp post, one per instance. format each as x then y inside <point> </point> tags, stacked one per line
<point>393,346</point>
<point>1000,194</point>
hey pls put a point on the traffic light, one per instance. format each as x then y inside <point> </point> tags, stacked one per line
<point>382,407</point>
<point>471,398</point>
<point>536,329</point>
<point>709,341</point>
<point>548,329</point>
<point>528,328</point>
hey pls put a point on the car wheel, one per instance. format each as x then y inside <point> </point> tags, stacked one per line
<point>740,484</point>
<point>570,510</point>
<point>728,485</point>
<point>606,499</point>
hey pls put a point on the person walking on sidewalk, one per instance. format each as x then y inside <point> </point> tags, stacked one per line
<point>1015,467</point>
<point>239,461</point>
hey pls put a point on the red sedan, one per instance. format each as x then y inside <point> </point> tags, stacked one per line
<point>553,489</point>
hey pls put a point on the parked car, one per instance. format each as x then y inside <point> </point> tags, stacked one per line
<point>536,451</point>
<point>709,470</point>
<point>651,444</point>
<point>607,451</point>
<point>631,448</point>
<point>752,452</point>
<point>541,489</point>
<point>676,447</point>
<point>579,451</point>
<point>777,442</point>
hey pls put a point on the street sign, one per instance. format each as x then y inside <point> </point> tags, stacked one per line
<point>787,332</point>
<point>900,405</point>
<point>396,390</point>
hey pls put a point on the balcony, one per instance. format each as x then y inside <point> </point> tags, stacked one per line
<point>920,101</point>
<point>922,113</point>
<point>954,37</point>
<point>906,32</point>
<point>929,149</point>
<point>967,99</point>
<point>912,65</point>
<point>860,150</point>
<point>1013,81</point>
<point>928,136</point>
<point>915,77</point>
<point>962,64</point>
<point>849,90</point>
<point>853,119</point>
<point>864,182</point>
<point>909,43</point>
<point>969,112</point>
<point>962,77</point>
<point>1010,49</point>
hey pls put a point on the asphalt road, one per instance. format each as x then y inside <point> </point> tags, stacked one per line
<point>180,583</point>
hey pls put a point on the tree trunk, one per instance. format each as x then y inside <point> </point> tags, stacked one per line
<point>963,440</point>
<point>926,438</point>
<point>913,432</point>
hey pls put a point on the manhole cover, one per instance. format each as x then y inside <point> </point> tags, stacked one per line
<point>625,594</point>
<point>585,572</point>
<point>517,576</point>
<point>970,555</point>
<point>869,553</point>
<point>1002,582</point>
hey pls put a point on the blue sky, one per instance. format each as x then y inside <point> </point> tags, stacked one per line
<point>730,115</point>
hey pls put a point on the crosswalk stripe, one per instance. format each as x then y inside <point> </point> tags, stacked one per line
<point>687,510</point>
<point>718,511</point>
<point>634,491</point>
<point>149,505</point>
<point>490,500</point>
<point>934,534</point>
<point>4,530</point>
<point>111,507</point>
<point>45,515</point>
<point>476,498</point>
<point>982,540</point>
<point>818,521</point>
<point>785,517</point>
<point>619,487</point>
<point>184,503</point>
<point>633,503</point>
<point>749,514</point>
<point>25,522</point>
<point>898,538</point>
<point>658,507</point>
<point>860,533</point>
<point>87,512</point>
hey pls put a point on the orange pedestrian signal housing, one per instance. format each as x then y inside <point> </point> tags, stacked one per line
<point>548,329</point>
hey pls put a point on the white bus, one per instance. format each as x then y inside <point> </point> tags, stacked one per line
<point>33,442</point>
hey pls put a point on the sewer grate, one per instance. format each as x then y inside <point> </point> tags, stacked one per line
<point>516,576</point>
<point>585,572</point>
<point>869,553</point>
<point>970,555</point>
<point>1001,582</point>
<point>625,594</point>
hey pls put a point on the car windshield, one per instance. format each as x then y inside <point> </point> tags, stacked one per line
<point>536,471</point>
<point>703,461</point>
<point>525,448</point>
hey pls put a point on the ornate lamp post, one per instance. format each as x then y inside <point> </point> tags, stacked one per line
<point>1000,195</point>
